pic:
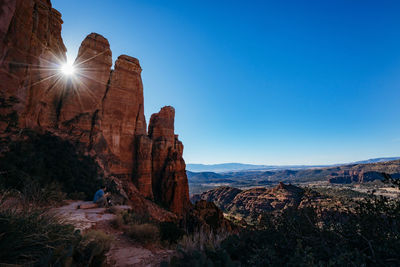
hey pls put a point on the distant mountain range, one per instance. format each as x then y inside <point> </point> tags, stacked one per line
<point>231,167</point>
<point>375,160</point>
<point>365,171</point>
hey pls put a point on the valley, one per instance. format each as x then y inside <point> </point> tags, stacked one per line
<point>360,177</point>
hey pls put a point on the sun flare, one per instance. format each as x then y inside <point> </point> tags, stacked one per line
<point>67,69</point>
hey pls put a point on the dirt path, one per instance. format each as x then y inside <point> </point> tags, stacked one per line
<point>123,252</point>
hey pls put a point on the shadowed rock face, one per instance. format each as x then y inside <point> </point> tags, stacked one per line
<point>169,180</point>
<point>100,110</point>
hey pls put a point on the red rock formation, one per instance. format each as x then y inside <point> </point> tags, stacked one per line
<point>101,110</point>
<point>357,176</point>
<point>123,113</point>
<point>161,132</point>
<point>250,203</point>
<point>206,215</point>
<point>142,173</point>
<point>82,98</point>
<point>30,51</point>
<point>221,196</point>
<point>169,180</point>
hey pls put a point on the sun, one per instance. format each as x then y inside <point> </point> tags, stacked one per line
<point>67,69</point>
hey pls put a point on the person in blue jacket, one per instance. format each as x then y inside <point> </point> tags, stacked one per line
<point>100,197</point>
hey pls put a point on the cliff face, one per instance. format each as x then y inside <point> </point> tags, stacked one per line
<point>356,176</point>
<point>169,178</point>
<point>99,109</point>
<point>30,49</point>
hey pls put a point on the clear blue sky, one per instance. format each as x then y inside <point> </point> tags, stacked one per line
<point>266,82</point>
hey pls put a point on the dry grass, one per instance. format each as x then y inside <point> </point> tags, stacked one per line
<point>118,222</point>
<point>143,233</point>
<point>31,236</point>
<point>201,240</point>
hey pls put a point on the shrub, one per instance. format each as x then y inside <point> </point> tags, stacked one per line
<point>118,222</point>
<point>368,234</point>
<point>32,237</point>
<point>202,240</point>
<point>93,247</point>
<point>368,237</point>
<point>131,217</point>
<point>34,193</point>
<point>143,233</point>
<point>203,248</point>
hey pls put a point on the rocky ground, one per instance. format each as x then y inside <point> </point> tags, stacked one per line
<point>124,251</point>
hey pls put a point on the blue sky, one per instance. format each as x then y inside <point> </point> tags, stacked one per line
<point>265,82</point>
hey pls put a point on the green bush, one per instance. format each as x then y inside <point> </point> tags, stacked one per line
<point>43,159</point>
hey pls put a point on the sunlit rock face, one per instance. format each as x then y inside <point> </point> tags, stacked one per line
<point>82,98</point>
<point>99,109</point>
<point>250,203</point>
<point>123,113</point>
<point>30,50</point>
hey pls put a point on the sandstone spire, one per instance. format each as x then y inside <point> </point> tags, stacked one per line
<point>123,112</point>
<point>99,110</point>
<point>170,184</point>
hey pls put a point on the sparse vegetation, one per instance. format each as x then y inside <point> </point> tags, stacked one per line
<point>341,193</point>
<point>32,237</point>
<point>128,217</point>
<point>201,240</point>
<point>139,228</point>
<point>92,248</point>
<point>368,234</point>
<point>143,233</point>
<point>203,248</point>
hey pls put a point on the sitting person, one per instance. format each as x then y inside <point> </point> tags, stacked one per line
<point>100,197</point>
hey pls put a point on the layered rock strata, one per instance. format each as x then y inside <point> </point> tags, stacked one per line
<point>250,203</point>
<point>99,109</point>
